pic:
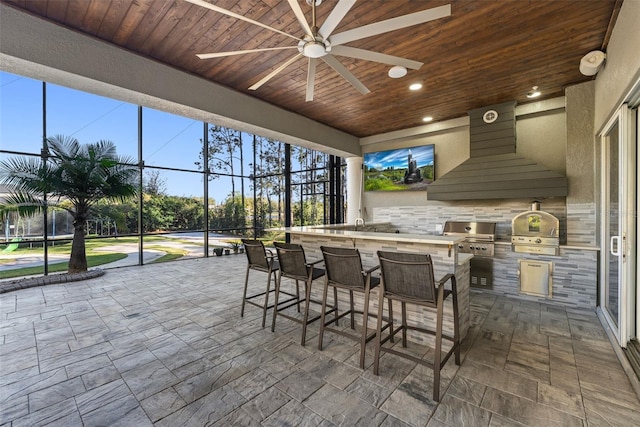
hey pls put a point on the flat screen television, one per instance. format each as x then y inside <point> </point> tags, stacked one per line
<point>411,168</point>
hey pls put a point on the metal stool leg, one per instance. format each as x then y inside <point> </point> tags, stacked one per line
<point>323,312</point>
<point>244,294</point>
<point>275,302</point>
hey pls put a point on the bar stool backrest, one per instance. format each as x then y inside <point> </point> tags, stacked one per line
<point>293,263</point>
<point>408,276</point>
<point>256,254</point>
<point>343,266</point>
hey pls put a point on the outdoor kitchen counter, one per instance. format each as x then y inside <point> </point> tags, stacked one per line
<point>340,230</point>
<point>443,251</point>
<point>573,247</point>
<point>574,274</point>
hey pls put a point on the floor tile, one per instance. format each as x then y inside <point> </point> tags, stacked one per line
<point>162,404</point>
<point>266,403</point>
<point>343,409</point>
<point>293,414</point>
<point>165,344</point>
<point>456,412</point>
<point>525,411</point>
<point>300,384</point>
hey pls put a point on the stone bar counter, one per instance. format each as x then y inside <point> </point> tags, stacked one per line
<point>384,236</point>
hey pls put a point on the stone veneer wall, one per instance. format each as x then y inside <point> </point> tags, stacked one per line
<point>424,316</point>
<point>581,224</point>
<point>574,280</point>
<point>425,219</point>
<point>577,220</point>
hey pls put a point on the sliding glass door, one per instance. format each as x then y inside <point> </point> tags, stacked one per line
<point>618,236</point>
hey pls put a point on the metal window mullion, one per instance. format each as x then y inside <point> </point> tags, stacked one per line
<point>287,189</point>
<point>44,153</point>
<point>140,187</point>
<point>205,170</point>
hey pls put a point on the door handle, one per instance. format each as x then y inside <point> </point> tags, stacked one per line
<point>615,242</point>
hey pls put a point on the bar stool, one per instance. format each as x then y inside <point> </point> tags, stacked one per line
<point>293,265</point>
<point>408,278</point>
<point>260,259</point>
<point>344,270</point>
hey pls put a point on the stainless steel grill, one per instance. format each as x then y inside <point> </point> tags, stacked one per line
<point>535,232</point>
<point>479,236</point>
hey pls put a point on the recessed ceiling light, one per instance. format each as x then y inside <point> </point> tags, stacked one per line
<point>427,119</point>
<point>397,71</point>
<point>415,86</point>
<point>534,92</point>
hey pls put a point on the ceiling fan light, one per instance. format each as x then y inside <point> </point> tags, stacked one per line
<point>397,71</point>
<point>314,49</point>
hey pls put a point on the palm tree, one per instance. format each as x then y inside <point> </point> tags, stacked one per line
<point>74,177</point>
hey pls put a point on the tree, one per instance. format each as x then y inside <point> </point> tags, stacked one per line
<point>78,175</point>
<point>223,144</point>
<point>268,172</point>
<point>154,183</point>
<point>225,156</point>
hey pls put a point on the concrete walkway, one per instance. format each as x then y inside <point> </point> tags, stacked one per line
<point>16,261</point>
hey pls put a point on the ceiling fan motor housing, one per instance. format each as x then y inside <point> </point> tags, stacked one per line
<point>314,48</point>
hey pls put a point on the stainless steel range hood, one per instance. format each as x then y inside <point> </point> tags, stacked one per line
<point>494,170</point>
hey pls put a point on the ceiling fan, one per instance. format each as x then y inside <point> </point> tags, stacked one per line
<point>321,43</point>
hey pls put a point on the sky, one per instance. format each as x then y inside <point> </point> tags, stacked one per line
<point>397,159</point>
<point>169,140</point>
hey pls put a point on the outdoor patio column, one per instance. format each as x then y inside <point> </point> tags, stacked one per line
<point>354,189</point>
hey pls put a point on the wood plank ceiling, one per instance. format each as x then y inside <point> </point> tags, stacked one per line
<point>486,52</point>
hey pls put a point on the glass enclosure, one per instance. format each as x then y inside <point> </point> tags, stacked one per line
<point>201,186</point>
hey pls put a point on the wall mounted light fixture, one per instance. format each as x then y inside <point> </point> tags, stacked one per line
<point>591,63</point>
<point>534,92</point>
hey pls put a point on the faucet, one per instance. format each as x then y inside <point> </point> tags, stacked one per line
<point>359,221</point>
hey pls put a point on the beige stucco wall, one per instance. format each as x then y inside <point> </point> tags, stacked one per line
<point>580,164</point>
<point>451,149</point>
<point>622,66</point>
<point>541,136</point>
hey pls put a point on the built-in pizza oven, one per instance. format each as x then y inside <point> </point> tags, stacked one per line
<point>535,232</point>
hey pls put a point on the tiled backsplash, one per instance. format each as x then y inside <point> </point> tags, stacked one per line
<point>576,228</point>
<point>581,224</point>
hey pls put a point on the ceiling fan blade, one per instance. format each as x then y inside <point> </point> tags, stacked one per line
<point>311,78</point>
<point>237,16</point>
<point>368,55</point>
<point>391,25</point>
<point>335,17</point>
<point>274,72</point>
<point>346,74</point>
<point>240,52</point>
<point>297,10</point>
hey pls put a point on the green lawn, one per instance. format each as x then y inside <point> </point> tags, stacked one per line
<point>170,255</point>
<point>93,260</point>
<point>94,256</point>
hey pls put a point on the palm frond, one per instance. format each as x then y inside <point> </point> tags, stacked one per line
<point>21,202</point>
<point>64,147</point>
<point>81,174</point>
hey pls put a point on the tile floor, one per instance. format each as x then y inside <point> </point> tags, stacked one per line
<point>165,345</point>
